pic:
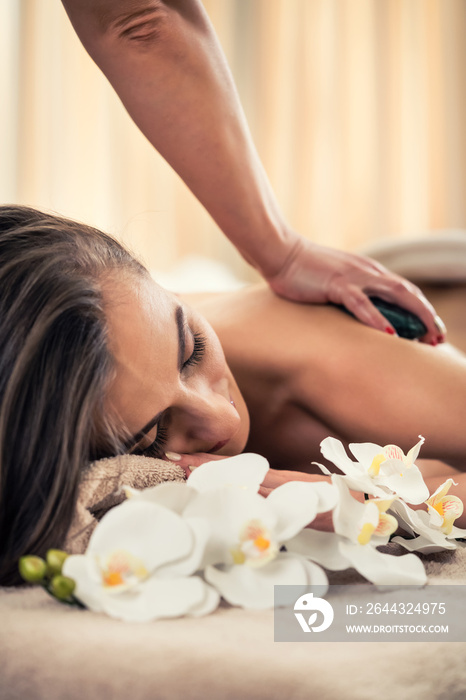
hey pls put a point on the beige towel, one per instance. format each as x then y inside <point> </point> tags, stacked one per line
<point>101,489</point>
<point>50,651</point>
<point>438,258</point>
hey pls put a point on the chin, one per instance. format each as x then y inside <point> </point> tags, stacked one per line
<point>229,452</point>
<point>235,448</point>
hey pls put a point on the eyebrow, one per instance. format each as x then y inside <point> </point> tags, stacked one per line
<point>180,324</point>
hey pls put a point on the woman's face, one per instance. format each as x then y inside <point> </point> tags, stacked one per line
<point>173,389</point>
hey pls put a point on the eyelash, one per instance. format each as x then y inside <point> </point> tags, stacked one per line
<point>199,348</point>
<point>155,449</point>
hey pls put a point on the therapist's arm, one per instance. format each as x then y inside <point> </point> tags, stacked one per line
<point>165,63</point>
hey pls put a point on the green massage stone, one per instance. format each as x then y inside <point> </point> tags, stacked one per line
<point>406,324</point>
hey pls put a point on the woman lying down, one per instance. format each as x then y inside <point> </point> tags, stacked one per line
<point>97,359</point>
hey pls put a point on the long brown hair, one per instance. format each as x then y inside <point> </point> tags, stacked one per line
<point>54,370</point>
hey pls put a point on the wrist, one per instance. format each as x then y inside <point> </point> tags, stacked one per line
<point>272,249</point>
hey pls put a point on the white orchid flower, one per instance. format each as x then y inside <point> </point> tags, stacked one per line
<point>220,476</point>
<point>359,529</point>
<point>362,523</point>
<point>139,562</point>
<point>444,509</point>
<point>247,531</point>
<point>434,529</point>
<point>378,470</point>
<point>243,557</point>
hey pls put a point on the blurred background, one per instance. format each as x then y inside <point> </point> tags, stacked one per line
<point>357,108</point>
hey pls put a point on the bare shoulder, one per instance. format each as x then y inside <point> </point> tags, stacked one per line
<point>319,338</point>
<point>254,321</point>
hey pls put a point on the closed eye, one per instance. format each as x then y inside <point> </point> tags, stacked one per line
<point>199,347</point>
<point>156,448</point>
<point>161,420</point>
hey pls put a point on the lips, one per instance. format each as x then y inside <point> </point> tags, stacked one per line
<point>219,445</point>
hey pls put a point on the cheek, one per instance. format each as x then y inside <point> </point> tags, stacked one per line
<point>215,357</point>
<point>217,362</point>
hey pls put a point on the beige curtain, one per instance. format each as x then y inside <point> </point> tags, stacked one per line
<point>357,107</point>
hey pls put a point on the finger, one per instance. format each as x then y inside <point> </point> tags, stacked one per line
<point>409,297</point>
<point>265,491</point>
<point>277,477</point>
<point>359,304</point>
<point>187,471</point>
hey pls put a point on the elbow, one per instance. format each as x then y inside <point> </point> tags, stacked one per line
<point>106,22</point>
<point>141,26</point>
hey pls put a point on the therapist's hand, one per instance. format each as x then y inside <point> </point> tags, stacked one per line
<point>168,69</point>
<point>314,273</point>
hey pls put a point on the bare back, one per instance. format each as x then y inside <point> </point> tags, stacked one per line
<point>311,371</point>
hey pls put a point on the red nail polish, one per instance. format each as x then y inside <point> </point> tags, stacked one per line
<point>389,330</point>
<point>440,339</point>
<point>434,342</point>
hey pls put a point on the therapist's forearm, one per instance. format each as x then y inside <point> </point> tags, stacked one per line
<point>165,63</point>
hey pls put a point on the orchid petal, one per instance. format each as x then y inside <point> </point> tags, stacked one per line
<point>244,470</point>
<point>407,516</point>
<point>383,504</point>
<point>321,547</point>
<point>325,470</point>
<point>295,506</point>
<point>442,490</point>
<point>365,484</point>
<point>350,515</point>
<point>254,588</point>
<point>423,544</point>
<point>385,569</point>
<point>408,484</point>
<point>452,509</point>
<point>457,532</point>
<point>418,522</point>
<point>444,509</point>
<point>390,467</point>
<point>88,587</point>
<point>327,494</point>
<point>156,598</point>
<point>173,495</point>
<point>333,450</point>
<point>316,576</point>
<point>387,525</point>
<point>208,604</point>
<point>365,452</point>
<point>414,452</point>
<point>131,526</point>
<point>436,518</point>
<point>187,565</point>
<point>393,452</point>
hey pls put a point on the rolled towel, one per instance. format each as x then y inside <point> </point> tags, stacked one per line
<point>101,489</point>
<point>437,258</point>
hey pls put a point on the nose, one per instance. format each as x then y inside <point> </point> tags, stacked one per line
<point>203,418</point>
